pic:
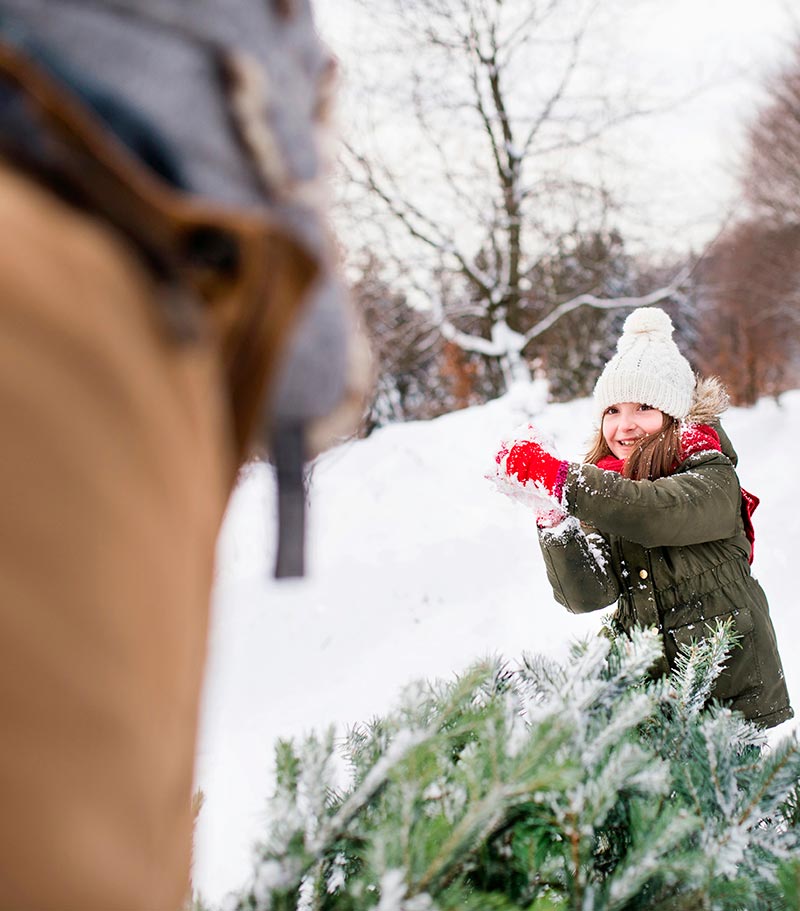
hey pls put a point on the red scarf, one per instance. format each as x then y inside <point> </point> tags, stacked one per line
<point>700,438</point>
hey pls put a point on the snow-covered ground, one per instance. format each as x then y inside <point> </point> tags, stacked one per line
<point>417,566</point>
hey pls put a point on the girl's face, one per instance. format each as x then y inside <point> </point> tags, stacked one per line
<point>625,423</point>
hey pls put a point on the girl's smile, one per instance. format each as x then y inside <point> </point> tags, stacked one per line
<point>625,423</point>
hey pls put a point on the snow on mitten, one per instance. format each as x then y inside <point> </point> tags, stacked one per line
<point>551,519</point>
<point>528,472</point>
<point>530,462</point>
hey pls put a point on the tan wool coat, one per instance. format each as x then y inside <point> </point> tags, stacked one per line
<point>127,404</point>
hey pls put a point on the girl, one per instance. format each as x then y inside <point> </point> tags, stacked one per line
<point>656,519</point>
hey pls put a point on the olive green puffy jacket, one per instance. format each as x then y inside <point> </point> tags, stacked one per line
<point>673,553</point>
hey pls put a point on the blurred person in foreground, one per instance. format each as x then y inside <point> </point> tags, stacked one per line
<point>166,303</point>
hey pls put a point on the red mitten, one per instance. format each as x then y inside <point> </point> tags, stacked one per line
<point>530,462</point>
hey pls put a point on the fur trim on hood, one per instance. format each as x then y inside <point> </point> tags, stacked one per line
<point>708,402</point>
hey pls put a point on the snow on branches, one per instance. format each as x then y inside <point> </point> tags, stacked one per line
<point>541,785</point>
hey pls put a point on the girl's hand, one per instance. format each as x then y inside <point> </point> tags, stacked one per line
<point>531,464</point>
<point>527,471</point>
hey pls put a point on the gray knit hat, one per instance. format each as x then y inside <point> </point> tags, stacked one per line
<point>647,367</point>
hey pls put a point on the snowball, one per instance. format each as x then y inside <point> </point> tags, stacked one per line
<point>532,494</point>
<point>527,433</point>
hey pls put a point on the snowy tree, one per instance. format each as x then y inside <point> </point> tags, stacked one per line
<point>574,350</point>
<point>418,374</point>
<point>749,296</point>
<point>748,310</point>
<point>586,786</point>
<point>481,156</point>
<point>771,170</point>
<point>405,346</point>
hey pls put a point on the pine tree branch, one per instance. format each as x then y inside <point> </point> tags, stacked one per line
<point>790,753</point>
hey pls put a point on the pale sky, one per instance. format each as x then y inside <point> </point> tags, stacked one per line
<point>693,152</point>
<point>684,161</point>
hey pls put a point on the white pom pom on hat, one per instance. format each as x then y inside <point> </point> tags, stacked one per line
<point>647,367</point>
<point>645,320</point>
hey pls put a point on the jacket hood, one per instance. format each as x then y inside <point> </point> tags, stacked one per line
<point>709,402</point>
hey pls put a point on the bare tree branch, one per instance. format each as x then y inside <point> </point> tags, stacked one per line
<point>406,213</point>
<point>502,223</point>
<point>514,342</point>
<point>521,33</point>
<point>668,292</point>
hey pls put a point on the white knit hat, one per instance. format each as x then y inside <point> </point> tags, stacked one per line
<point>647,367</point>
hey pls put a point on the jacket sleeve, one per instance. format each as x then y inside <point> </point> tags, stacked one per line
<point>578,564</point>
<point>700,502</point>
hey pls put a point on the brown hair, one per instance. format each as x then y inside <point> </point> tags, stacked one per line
<point>655,456</point>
